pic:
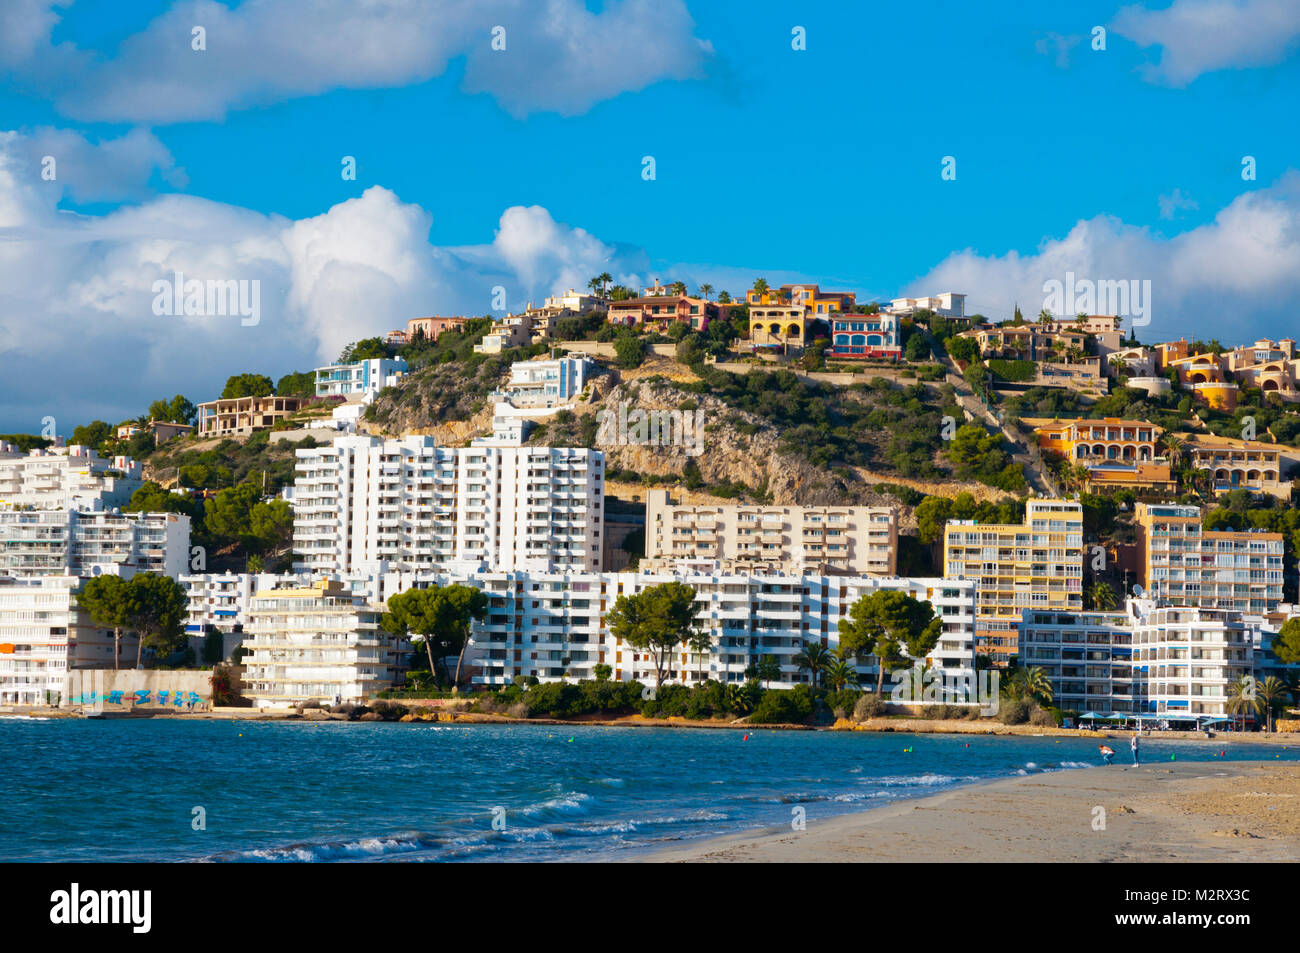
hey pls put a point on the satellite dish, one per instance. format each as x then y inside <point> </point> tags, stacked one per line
<point>96,570</point>
<point>1138,591</point>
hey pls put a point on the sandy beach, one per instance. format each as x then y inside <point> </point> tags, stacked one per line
<point>1165,812</point>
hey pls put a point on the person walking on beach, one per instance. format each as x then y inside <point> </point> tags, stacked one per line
<point>1107,753</point>
<point>1133,744</point>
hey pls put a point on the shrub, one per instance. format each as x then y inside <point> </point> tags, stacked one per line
<point>869,706</point>
<point>1013,712</point>
<point>781,706</point>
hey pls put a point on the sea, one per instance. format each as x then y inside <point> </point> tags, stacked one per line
<point>273,792</point>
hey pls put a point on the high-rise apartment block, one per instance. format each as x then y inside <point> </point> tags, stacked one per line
<point>1037,564</point>
<point>367,504</point>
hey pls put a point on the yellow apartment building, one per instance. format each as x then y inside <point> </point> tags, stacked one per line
<point>1186,565</point>
<point>1037,564</point>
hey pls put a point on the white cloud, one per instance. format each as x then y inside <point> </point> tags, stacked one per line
<point>1201,36</point>
<point>1175,202</point>
<point>1242,268</point>
<point>110,170</point>
<point>1057,46</point>
<point>559,57</point>
<point>79,339</point>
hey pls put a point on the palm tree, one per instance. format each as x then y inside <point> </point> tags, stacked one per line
<point>1271,692</point>
<point>1117,365</point>
<point>738,700</point>
<point>1102,596</point>
<point>760,286</point>
<point>700,643</point>
<point>1242,701</point>
<point>840,673</point>
<point>1028,685</point>
<point>705,291</point>
<point>1044,317</point>
<point>813,658</point>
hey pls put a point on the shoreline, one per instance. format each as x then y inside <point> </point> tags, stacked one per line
<point>908,726</point>
<point>1226,811</point>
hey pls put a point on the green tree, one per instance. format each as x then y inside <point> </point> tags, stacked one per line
<point>813,658</point>
<point>109,602</point>
<point>366,349</point>
<point>766,670</point>
<point>297,384</point>
<point>227,514</point>
<point>158,607</point>
<point>247,385</point>
<point>1286,645</point>
<point>655,620</point>
<point>178,410</point>
<point>1102,596</point>
<point>701,643</point>
<point>884,623</point>
<point>1243,699</point>
<point>1272,692</point>
<point>1028,685</point>
<point>94,434</point>
<point>629,350</point>
<point>840,673</point>
<point>440,617</point>
<point>152,498</point>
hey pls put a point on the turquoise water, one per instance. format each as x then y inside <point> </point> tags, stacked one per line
<point>126,790</point>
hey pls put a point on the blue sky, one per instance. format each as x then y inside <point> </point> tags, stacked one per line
<point>821,164</point>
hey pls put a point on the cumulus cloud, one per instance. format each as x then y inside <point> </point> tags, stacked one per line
<point>1243,267</point>
<point>109,170</point>
<point>79,338</point>
<point>558,56</point>
<point>1201,36</point>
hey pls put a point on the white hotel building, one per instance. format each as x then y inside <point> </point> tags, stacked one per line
<point>66,478</point>
<point>41,542</point>
<point>1168,662</point>
<point>318,642</point>
<point>370,505</point>
<point>43,637</point>
<point>552,625</point>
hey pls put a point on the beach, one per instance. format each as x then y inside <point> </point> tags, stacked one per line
<point>1164,812</point>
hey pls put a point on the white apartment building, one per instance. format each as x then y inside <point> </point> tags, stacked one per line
<point>87,543</point>
<point>553,625</point>
<point>223,600</point>
<point>544,384</point>
<point>1186,658</point>
<point>857,540</point>
<point>949,304</point>
<point>1087,656</point>
<point>360,379</point>
<point>43,637</point>
<point>318,642</point>
<point>66,478</point>
<point>1160,662</point>
<point>370,505</point>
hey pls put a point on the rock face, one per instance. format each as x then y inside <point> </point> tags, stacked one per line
<point>716,438</point>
